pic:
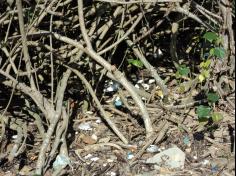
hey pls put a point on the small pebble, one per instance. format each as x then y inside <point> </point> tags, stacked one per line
<point>94,136</point>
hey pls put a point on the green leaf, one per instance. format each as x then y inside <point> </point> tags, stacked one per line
<point>203,112</point>
<point>212,97</point>
<point>206,73</point>
<point>210,36</point>
<point>212,52</point>
<point>201,78</point>
<point>205,64</point>
<point>135,62</point>
<point>183,70</point>
<point>219,52</point>
<point>216,117</point>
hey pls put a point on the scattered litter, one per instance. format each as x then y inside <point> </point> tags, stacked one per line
<point>111,87</point>
<point>111,174</point>
<point>130,155</point>
<point>186,141</point>
<point>146,86</point>
<point>151,81</point>
<point>214,169</point>
<point>94,159</point>
<point>137,86</point>
<point>140,81</point>
<point>172,157</point>
<point>140,84</point>
<point>158,54</point>
<point>217,163</point>
<point>85,126</point>
<point>118,103</point>
<point>61,162</point>
<point>98,120</point>
<point>205,162</point>
<point>144,99</point>
<point>152,149</point>
<point>14,137</point>
<point>88,156</point>
<point>195,157</point>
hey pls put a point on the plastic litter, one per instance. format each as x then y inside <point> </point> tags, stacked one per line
<point>111,87</point>
<point>130,155</point>
<point>186,141</point>
<point>118,103</point>
<point>94,159</point>
<point>85,126</point>
<point>151,81</point>
<point>88,156</point>
<point>61,162</point>
<point>153,149</point>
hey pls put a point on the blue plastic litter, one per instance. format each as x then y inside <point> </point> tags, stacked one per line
<point>186,140</point>
<point>118,103</point>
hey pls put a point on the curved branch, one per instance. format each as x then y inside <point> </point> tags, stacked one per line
<point>103,113</point>
<point>117,74</point>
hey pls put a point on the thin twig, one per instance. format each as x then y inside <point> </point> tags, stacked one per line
<point>141,1</point>
<point>103,113</point>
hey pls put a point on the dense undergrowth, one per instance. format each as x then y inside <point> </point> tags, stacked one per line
<point>65,62</point>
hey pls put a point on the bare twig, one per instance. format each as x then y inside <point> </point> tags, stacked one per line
<point>141,1</point>
<point>103,113</point>
<point>153,138</point>
<point>24,40</point>
<point>117,74</point>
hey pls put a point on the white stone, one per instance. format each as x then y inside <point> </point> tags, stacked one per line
<point>173,158</point>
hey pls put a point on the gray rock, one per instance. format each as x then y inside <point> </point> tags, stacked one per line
<point>172,158</point>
